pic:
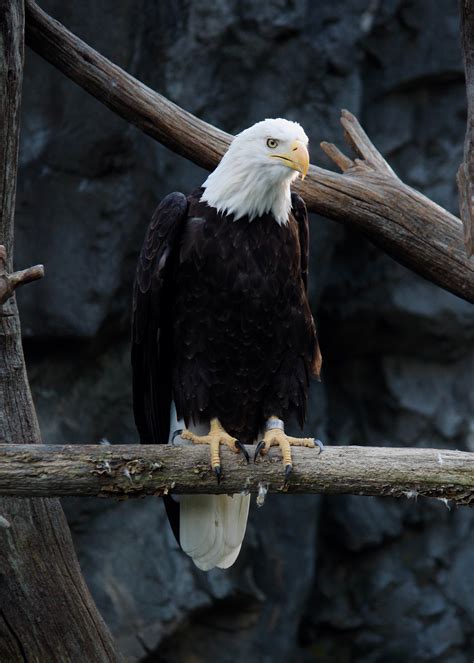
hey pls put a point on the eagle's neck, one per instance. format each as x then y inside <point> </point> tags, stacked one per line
<point>235,188</point>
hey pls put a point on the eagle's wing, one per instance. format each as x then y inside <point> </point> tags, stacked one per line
<point>151,326</point>
<point>300,213</point>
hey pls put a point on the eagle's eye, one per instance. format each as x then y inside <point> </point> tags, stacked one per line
<point>272,142</point>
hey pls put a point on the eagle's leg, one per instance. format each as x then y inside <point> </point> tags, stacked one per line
<point>275,436</point>
<point>216,436</point>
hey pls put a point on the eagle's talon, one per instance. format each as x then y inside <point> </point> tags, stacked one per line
<point>240,447</point>
<point>275,436</point>
<point>176,434</point>
<point>257,450</point>
<point>318,443</point>
<point>216,436</point>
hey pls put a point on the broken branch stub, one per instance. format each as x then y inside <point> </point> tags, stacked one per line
<point>10,282</point>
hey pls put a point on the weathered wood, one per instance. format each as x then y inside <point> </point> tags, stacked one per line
<point>136,470</point>
<point>465,175</point>
<point>368,196</point>
<point>46,611</point>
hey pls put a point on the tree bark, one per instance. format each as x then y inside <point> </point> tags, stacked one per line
<point>367,196</point>
<point>46,611</point>
<point>134,471</point>
<point>465,175</point>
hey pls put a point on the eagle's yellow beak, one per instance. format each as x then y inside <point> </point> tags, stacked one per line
<point>297,158</point>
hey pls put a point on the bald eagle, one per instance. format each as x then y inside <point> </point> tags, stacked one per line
<point>223,337</point>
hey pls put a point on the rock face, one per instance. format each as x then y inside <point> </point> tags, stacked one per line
<point>319,579</point>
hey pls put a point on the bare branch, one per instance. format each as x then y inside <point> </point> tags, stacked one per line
<point>335,154</point>
<point>359,141</point>
<point>137,470</point>
<point>465,176</point>
<point>10,282</point>
<point>369,197</point>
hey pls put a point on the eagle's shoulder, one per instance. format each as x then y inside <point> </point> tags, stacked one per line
<point>194,200</point>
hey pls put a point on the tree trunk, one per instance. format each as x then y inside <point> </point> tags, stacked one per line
<point>465,175</point>
<point>46,611</point>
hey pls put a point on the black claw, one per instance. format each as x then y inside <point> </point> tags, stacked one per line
<point>319,444</point>
<point>176,433</point>
<point>242,448</point>
<point>218,473</point>
<point>288,471</point>
<point>257,449</point>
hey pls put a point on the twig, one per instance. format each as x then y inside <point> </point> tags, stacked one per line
<point>10,282</point>
<point>135,470</point>
<point>368,197</point>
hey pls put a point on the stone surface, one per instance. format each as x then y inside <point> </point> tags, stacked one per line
<point>344,579</point>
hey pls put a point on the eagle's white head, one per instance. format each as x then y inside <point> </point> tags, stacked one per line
<point>255,174</point>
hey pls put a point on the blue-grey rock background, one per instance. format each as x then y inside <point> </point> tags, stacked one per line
<point>319,579</point>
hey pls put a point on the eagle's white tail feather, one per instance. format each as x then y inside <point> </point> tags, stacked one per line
<point>212,528</point>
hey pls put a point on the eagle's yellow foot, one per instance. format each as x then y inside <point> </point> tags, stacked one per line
<point>216,436</point>
<point>277,437</point>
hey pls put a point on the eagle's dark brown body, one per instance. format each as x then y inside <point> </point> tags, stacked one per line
<point>222,323</point>
<point>243,335</point>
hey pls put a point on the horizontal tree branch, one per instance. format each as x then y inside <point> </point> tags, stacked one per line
<point>136,470</point>
<point>10,282</point>
<point>367,196</point>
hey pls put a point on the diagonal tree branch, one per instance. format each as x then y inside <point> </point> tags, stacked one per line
<point>137,470</point>
<point>367,196</point>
